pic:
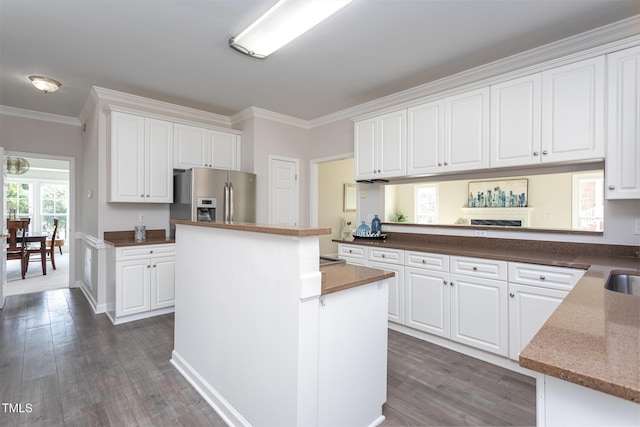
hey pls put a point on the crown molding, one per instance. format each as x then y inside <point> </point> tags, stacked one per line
<point>37,115</point>
<point>599,41</point>
<point>169,109</point>
<point>255,112</point>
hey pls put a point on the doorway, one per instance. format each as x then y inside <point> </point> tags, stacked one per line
<point>42,193</point>
<point>332,199</point>
<point>283,191</point>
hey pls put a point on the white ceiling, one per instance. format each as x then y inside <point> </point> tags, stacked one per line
<point>176,50</point>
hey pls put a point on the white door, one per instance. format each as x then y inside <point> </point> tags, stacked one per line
<point>158,161</point>
<point>428,301</point>
<point>391,158</point>
<point>283,191</point>
<point>3,263</point>
<point>163,289</point>
<point>365,149</point>
<point>425,138</point>
<point>396,290</point>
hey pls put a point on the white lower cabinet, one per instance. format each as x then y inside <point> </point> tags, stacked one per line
<point>492,305</point>
<point>382,259</point>
<point>479,313</point>
<point>144,282</point>
<point>535,291</point>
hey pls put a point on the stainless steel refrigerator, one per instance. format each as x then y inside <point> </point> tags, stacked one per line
<point>204,194</point>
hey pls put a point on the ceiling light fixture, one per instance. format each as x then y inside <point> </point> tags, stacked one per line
<point>45,84</point>
<point>285,21</point>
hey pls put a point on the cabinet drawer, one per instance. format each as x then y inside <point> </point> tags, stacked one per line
<point>144,251</point>
<point>389,256</point>
<point>426,260</point>
<point>479,267</point>
<point>562,278</point>
<point>352,251</point>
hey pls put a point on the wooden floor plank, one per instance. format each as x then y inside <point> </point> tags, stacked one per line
<point>77,369</point>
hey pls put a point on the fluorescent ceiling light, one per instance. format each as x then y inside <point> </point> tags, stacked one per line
<point>285,21</point>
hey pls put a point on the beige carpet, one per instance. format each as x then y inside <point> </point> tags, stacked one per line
<point>35,281</point>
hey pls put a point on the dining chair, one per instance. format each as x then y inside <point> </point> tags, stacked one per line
<point>50,251</point>
<point>17,244</point>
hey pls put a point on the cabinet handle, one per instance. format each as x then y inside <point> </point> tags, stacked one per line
<point>612,187</point>
<point>446,164</point>
<point>148,266</point>
<point>150,252</point>
<point>545,152</point>
<point>142,195</point>
<point>475,268</point>
<point>382,255</point>
<point>350,251</point>
<point>543,278</point>
<point>154,266</point>
<point>535,153</point>
<point>444,282</point>
<point>451,283</point>
<point>424,261</point>
<point>512,295</point>
<point>439,164</point>
<point>379,171</point>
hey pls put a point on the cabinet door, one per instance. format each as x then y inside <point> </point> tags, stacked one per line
<point>425,138</point>
<point>392,142</point>
<point>163,282</point>
<point>158,161</point>
<point>365,149</point>
<point>223,149</point>
<point>515,122</point>
<point>623,148</point>
<point>396,290</point>
<point>133,287</point>
<point>573,111</point>
<point>189,147</point>
<point>529,309</point>
<point>479,313</point>
<point>467,131</point>
<point>127,158</point>
<point>428,301</point>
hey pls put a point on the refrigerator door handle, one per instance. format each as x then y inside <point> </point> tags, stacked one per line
<point>226,202</point>
<point>231,202</point>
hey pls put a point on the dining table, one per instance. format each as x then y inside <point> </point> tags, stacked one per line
<point>31,237</point>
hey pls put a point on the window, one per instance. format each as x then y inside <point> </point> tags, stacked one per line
<point>53,204</point>
<point>426,204</point>
<point>588,201</point>
<point>40,200</point>
<point>19,200</point>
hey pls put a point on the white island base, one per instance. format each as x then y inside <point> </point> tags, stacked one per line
<point>258,339</point>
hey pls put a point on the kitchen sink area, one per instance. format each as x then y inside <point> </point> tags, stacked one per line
<point>625,283</point>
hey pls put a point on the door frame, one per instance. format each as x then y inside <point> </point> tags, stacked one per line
<point>71,216</point>
<point>273,158</point>
<point>314,166</point>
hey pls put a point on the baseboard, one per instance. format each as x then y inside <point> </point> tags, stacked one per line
<point>219,404</point>
<point>97,308</point>
<point>139,316</point>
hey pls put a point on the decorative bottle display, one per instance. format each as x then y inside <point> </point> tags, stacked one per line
<point>376,225</point>
<point>363,230</point>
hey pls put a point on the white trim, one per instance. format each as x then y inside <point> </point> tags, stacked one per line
<point>314,165</point>
<point>97,308</point>
<point>37,115</point>
<point>138,316</point>
<point>215,399</point>
<point>164,107</point>
<point>253,112</point>
<point>92,241</point>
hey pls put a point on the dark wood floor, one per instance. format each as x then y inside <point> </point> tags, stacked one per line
<point>75,368</point>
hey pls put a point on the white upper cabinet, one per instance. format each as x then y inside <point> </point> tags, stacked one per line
<point>466,135</point>
<point>449,135</point>
<point>425,138</point>
<point>515,122</point>
<point>200,147</point>
<point>141,159</point>
<point>623,146</point>
<point>573,111</point>
<point>380,145</point>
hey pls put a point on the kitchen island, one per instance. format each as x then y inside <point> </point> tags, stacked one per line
<point>268,337</point>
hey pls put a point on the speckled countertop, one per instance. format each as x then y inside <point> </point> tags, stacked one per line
<point>126,238</point>
<point>339,277</point>
<point>259,228</point>
<point>593,338</point>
